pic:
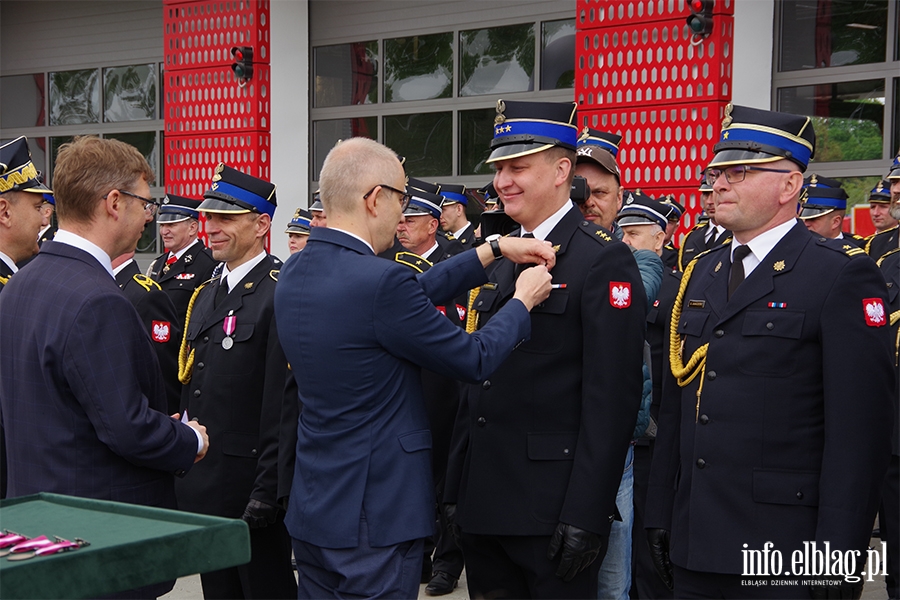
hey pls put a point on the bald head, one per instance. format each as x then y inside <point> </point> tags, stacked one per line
<point>351,169</point>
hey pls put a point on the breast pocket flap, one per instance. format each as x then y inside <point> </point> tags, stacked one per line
<point>552,445</point>
<point>781,486</point>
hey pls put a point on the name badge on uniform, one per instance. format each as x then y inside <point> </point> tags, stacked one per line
<point>228,326</point>
<point>696,303</point>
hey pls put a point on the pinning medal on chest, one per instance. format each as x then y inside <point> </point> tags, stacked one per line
<point>228,326</point>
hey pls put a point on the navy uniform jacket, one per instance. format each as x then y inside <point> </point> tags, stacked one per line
<point>48,235</point>
<point>82,397</point>
<point>238,394</point>
<point>549,430</point>
<point>183,276</point>
<point>5,274</point>
<point>158,315</point>
<point>670,256</point>
<point>890,268</point>
<point>467,237</point>
<point>792,437</point>
<point>694,243</point>
<point>658,334</point>
<point>879,244</point>
<point>450,244</point>
<point>356,330</point>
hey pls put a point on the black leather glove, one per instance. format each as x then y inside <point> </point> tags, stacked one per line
<point>844,590</point>
<point>659,552</point>
<point>259,514</point>
<point>579,549</point>
<point>449,511</point>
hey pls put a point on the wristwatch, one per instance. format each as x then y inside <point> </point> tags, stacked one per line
<point>494,241</point>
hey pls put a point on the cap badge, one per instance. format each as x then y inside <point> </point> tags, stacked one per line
<point>218,173</point>
<point>814,180</point>
<point>585,134</point>
<point>726,122</point>
<point>500,118</point>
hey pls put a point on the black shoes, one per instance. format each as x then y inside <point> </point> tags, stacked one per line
<point>441,584</point>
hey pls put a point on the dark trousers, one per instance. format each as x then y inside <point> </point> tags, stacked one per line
<point>696,584</point>
<point>361,572</point>
<point>268,574</point>
<point>517,567</point>
<point>889,523</point>
<point>646,584</point>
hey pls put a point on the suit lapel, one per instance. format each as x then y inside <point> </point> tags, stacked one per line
<point>714,288</point>
<point>780,260</point>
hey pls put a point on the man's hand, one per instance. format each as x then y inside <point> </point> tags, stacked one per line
<point>452,526</point>
<point>259,514</point>
<point>526,251</point>
<point>579,549</point>
<point>533,286</point>
<point>844,590</point>
<point>202,429</point>
<point>523,251</point>
<point>659,552</point>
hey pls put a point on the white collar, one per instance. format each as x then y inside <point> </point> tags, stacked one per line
<point>430,250</point>
<point>543,230</point>
<point>181,252</point>
<point>118,269</point>
<point>9,262</point>
<point>43,231</point>
<point>75,240</point>
<point>761,245</point>
<point>353,235</point>
<point>235,277</point>
<point>458,234</point>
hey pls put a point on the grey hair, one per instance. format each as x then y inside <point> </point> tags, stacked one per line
<point>350,169</point>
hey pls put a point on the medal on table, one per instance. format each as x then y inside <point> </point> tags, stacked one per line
<point>228,326</point>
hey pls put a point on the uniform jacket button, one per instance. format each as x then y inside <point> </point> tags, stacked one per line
<point>486,385</point>
<point>481,421</point>
<point>197,393</point>
<point>799,495</point>
<point>770,326</point>
<point>205,338</point>
<point>566,451</point>
<point>711,375</point>
<point>701,463</point>
<point>253,452</point>
<point>719,333</point>
<point>704,419</point>
<point>200,365</point>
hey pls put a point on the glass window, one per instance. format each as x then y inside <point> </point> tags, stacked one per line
<point>499,60</point>
<point>22,100</point>
<point>145,142</point>
<point>848,117</point>
<point>345,74</point>
<point>476,129</point>
<point>424,139</point>
<point>895,139</point>
<point>149,237</point>
<point>129,93</point>
<point>558,55</point>
<point>832,33</point>
<point>327,133</point>
<point>418,67</point>
<point>75,97</point>
<point>858,188</point>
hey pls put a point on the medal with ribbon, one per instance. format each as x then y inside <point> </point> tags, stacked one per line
<point>228,326</point>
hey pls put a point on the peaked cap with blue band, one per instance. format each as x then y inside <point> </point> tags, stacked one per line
<point>178,208</point>
<point>600,147</point>
<point>490,194</point>
<point>894,173</point>
<point>17,172</point>
<point>454,194</point>
<point>431,188</point>
<point>423,204</point>
<point>674,210</point>
<point>881,193</point>
<point>299,223</point>
<point>752,136</point>
<point>704,185</point>
<point>316,205</point>
<point>821,196</point>
<point>640,209</point>
<point>522,128</point>
<point>235,192</point>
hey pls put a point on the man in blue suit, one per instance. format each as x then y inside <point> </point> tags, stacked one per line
<point>356,331</point>
<point>81,391</point>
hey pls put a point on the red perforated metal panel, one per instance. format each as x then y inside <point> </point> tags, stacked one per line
<point>210,116</point>
<point>639,75</point>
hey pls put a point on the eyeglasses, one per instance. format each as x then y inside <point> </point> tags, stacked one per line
<point>404,197</point>
<point>737,173</point>
<point>149,205</point>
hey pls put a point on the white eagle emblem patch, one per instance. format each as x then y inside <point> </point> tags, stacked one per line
<point>620,294</point>
<point>161,331</point>
<point>874,312</point>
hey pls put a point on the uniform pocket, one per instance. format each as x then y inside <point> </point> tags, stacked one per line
<point>415,441</point>
<point>552,445</point>
<point>782,486</point>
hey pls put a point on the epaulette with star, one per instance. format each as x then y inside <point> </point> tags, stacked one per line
<point>597,233</point>
<point>841,246</point>
<point>413,261</point>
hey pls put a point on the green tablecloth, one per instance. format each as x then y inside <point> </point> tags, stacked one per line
<point>130,546</point>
